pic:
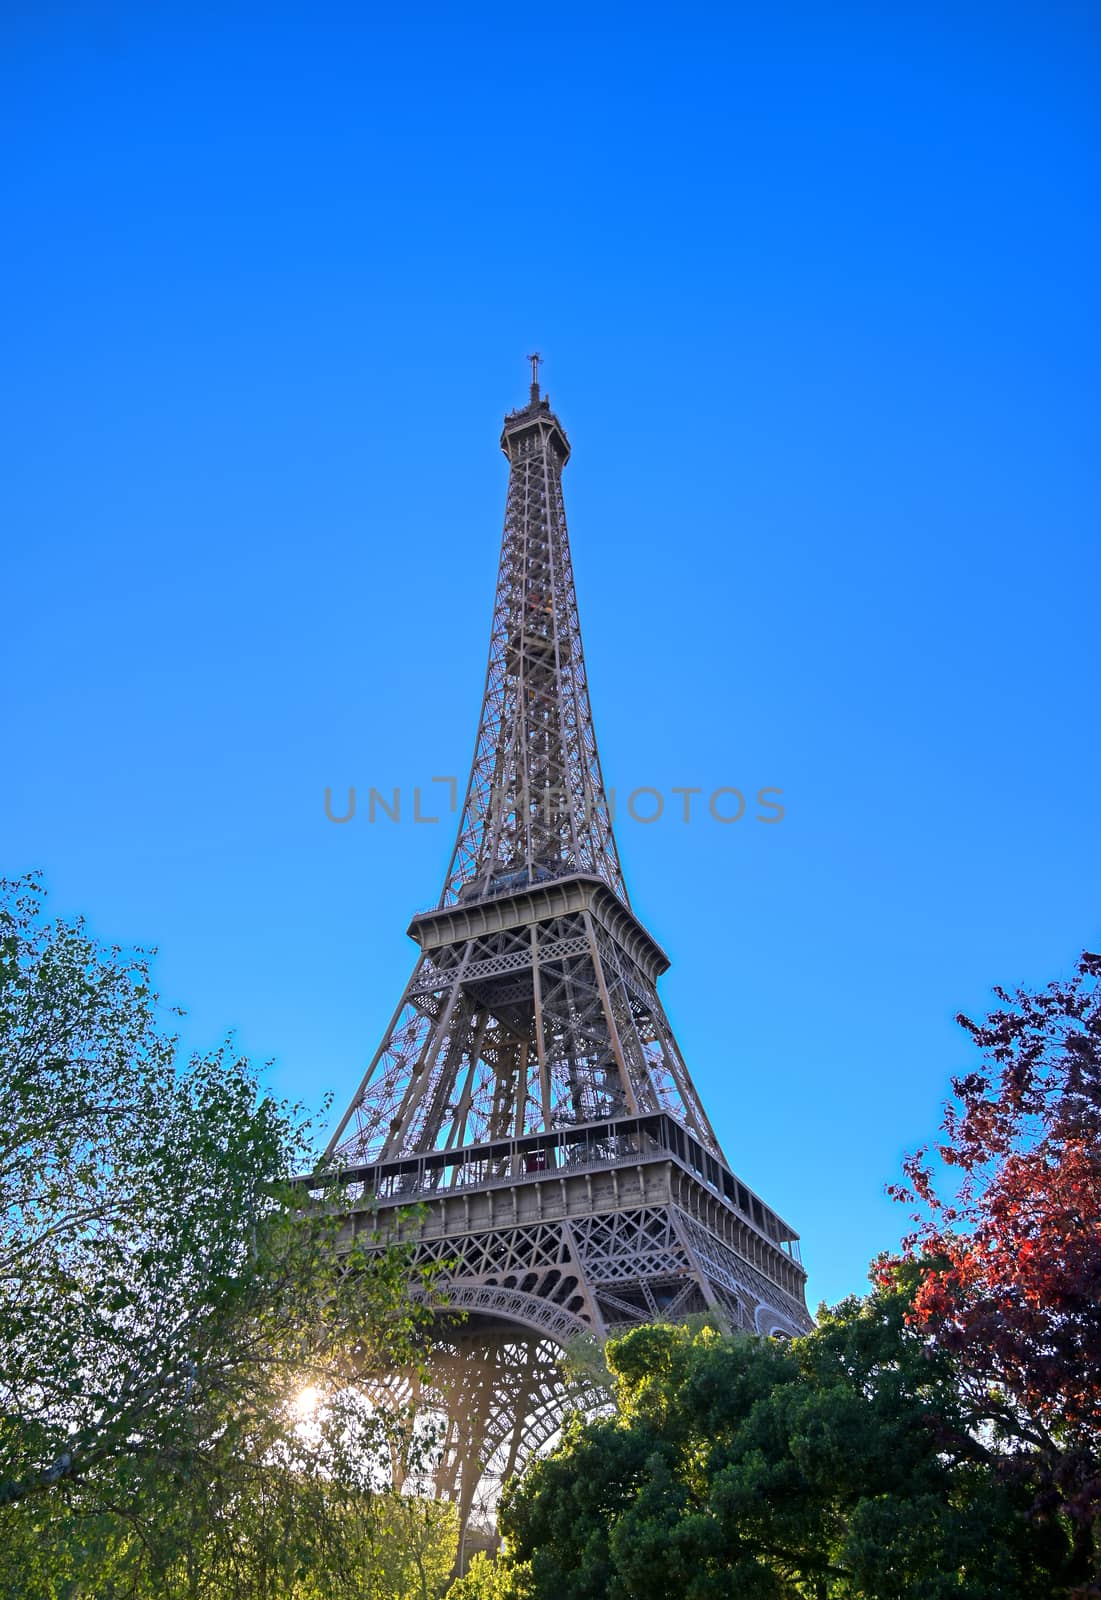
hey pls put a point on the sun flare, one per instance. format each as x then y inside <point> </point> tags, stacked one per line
<point>307,1400</point>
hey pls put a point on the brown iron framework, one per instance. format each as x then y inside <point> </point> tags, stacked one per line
<point>529,1089</point>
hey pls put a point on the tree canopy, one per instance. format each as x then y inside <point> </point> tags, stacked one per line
<point>1008,1229</point>
<point>185,1358</point>
<point>844,1464</point>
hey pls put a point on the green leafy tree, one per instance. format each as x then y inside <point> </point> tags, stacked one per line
<point>486,1579</point>
<point>397,1547</point>
<point>845,1464</point>
<point>415,1542</point>
<point>185,1358</point>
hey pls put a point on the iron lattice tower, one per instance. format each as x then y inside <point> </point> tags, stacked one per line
<point>529,1089</point>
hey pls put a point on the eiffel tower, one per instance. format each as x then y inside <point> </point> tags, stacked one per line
<point>529,1090</point>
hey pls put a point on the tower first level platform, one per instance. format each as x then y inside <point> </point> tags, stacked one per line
<point>590,1229</point>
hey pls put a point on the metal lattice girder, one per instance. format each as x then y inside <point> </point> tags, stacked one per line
<point>502,1399</point>
<point>529,1090</point>
<point>535,802</point>
<point>542,1015</point>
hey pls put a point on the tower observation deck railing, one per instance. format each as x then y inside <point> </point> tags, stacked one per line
<point>510,880</point>
<point>574,1149</point>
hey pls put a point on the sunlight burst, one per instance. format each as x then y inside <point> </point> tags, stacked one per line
<point>307,1400</point>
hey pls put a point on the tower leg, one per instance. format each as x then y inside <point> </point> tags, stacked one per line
<point>499,1396</point>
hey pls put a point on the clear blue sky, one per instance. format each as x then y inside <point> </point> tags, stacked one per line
<point>816,290</point>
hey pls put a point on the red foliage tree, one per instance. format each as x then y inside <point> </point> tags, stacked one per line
<point>1012,1259</point>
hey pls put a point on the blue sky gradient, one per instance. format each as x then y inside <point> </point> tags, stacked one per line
<point>816,289</point>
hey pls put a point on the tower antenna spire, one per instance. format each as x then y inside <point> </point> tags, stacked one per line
<point>536,362</point>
